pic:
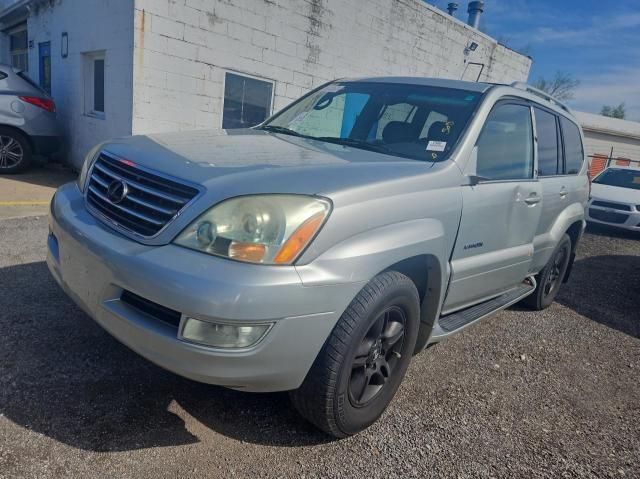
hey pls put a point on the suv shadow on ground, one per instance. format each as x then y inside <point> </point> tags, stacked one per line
<point>610,282</point>
<point>61,375</point>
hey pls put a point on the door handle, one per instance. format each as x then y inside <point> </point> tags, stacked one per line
<point>532,200</point>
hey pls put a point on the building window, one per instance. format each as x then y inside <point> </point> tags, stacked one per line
<point>247,101</point>
<point>45,66</point>
<point>19,47</point>
<point>94,81</point>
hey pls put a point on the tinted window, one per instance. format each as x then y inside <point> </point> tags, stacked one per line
<point>403,120</point>
<point>98,85</point>
<point>505,146</point>
<point>547,143</point>
<point>573,152</point>
<point>619,177</point>
<point>247,101</point>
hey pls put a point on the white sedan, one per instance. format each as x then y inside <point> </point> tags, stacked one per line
<point>615,198</point>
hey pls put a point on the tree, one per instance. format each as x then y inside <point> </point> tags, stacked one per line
<point>614,111</point>
<point>562,86</point>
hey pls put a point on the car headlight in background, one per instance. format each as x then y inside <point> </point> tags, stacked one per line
<point>268,229</point>
<point>86,165</point>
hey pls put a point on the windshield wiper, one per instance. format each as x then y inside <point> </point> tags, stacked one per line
<point>355,143</point>
<point>282,129</point>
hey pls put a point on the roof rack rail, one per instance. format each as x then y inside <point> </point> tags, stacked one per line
<point>526,87</point>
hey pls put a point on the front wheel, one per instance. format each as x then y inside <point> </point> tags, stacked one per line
<point>550,278</point>
<point>362,363</point>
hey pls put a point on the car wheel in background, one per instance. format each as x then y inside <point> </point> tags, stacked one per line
<point>15,151</point>
<point>550,278</point>
<point>362,363</point>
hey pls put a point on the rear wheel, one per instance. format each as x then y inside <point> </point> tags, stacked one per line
<point>15,151</point>
<point>550,278</point>
<point>361,365</point>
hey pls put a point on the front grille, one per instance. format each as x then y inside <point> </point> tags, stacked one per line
<point>149,308</point>
<point>614,206</point>
<point>151,201</point>
<point>608,216</point>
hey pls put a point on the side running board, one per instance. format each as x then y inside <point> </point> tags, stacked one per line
<point>458,320</point>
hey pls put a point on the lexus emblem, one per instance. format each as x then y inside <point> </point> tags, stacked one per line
<point>117,191</point>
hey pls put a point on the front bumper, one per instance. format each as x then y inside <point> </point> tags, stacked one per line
<point>628,220</point>
<point>94,264</point>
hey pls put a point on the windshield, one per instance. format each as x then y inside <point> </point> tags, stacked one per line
<point>410,121</point>
<point>619,177</point>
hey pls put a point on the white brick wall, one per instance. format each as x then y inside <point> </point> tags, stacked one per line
<point>92,25</point>
<point>183,47</point>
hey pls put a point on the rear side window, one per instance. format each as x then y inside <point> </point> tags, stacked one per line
<point>505,146</point>
<point>547,132</point>
<point>573,151</point>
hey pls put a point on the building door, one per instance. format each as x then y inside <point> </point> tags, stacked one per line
<point>45,66</point>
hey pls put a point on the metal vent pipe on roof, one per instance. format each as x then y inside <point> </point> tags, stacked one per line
<point>475,9</point>
<point>452,7</point>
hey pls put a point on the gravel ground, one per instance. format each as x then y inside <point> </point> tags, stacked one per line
<point>522,394</point>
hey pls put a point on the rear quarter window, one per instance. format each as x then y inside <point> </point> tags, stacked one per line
<point>573,150</point>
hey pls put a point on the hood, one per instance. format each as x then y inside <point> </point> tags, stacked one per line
<point>616,194</point>
<point>255,161</point>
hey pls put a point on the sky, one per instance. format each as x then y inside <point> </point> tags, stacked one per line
<point>597,42</point>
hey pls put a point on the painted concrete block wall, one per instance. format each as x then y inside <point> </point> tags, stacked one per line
<point>184,47</point>
<point>92,25</point>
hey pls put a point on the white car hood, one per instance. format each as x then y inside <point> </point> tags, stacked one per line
<point>616,194</point>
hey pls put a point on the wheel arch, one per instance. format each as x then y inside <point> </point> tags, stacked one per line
<point>426,273</point>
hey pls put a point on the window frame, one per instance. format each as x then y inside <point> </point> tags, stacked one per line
<point>559,138</point>
<point>253,77</point>
<point>22,27</point>
<point>89,83</point>
<point>564,149</point>
<point>534,143</point>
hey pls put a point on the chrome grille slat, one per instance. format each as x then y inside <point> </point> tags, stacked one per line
<point>166,196</point>
<point>149,202</point>
<point>125,209</point>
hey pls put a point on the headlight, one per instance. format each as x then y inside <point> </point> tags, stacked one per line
<point>86,165</point>
<point>269,229</point>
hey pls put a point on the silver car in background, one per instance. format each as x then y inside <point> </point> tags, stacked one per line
<point>319,251</point>
<point>28,123</point>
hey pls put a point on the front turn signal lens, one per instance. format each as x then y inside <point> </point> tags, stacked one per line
<point>299,239</point>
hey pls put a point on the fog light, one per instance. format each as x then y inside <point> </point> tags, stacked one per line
<point>220,335</point>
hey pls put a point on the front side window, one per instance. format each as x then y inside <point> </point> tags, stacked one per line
<point>619,177</point>
<point>547,132</point>
<point>573,151</point>
<point>247,101</point>
<point>409,121</point>
<point>505,146</point>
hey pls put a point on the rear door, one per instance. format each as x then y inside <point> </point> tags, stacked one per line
<point>500,215</point>
<point>554,183</point>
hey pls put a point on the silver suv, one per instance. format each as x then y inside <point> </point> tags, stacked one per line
<point>28,124</point>
<point>320,250</point>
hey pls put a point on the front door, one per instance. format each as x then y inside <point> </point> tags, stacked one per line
<point>45,66</point>
<point>500,213</point>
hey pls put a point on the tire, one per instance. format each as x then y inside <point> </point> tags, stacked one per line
<point>15,151</point>
<point>361,365</point>
<point>551,276</point>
